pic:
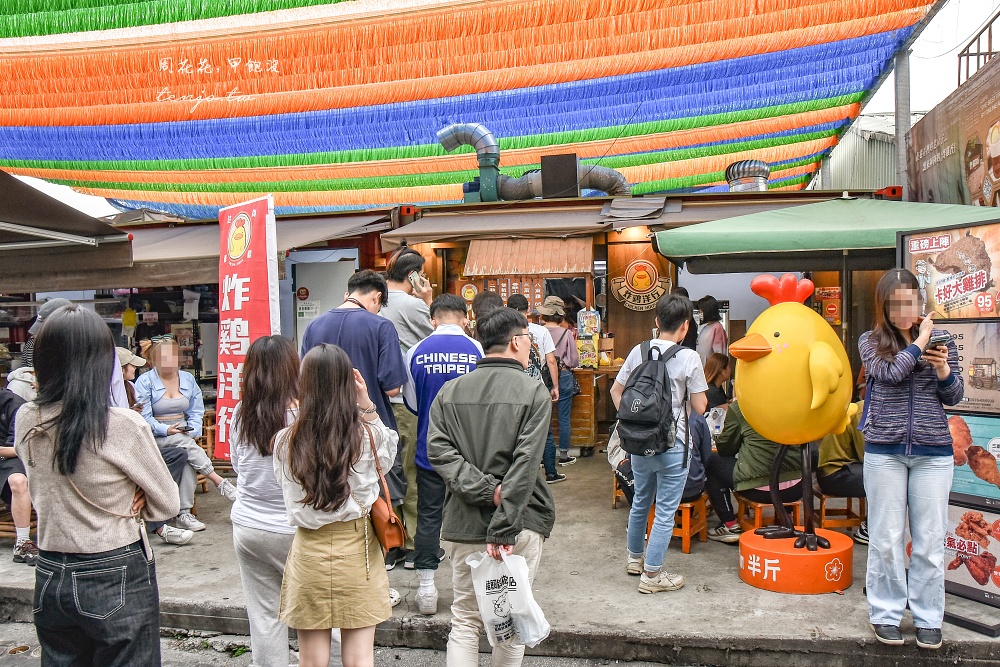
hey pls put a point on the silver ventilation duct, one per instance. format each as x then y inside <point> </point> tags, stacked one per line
<point>748,176</point>
<point>494,186</point>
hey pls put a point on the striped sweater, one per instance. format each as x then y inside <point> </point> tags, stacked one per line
<point>905,410</point>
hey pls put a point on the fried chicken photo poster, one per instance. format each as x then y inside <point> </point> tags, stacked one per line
<point>971,547</point>
<point>976,441</point>
<point>958,271</point>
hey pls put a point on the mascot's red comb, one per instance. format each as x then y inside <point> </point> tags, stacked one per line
<point>785,290</point>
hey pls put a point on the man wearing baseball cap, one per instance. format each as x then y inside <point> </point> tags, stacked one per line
<point>46,309</point>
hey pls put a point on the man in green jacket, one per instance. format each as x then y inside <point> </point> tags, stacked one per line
<point>748,475</point>
<point>486,438</point>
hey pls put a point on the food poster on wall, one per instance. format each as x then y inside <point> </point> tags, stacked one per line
<point>953,152</point>
<point>978,346</point>
<point>976,445</point>
<point>958,270</point>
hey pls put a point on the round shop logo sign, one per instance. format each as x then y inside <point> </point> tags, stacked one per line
<point>469,291</point>
<point>641,286</point>
<point>239,237</point>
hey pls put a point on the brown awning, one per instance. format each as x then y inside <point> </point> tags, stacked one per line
<point>511,224</point>
<point>530,257</point>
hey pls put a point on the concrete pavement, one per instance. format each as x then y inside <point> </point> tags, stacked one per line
<point>594,607</point>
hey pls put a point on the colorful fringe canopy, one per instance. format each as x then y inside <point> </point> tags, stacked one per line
<point>187,106</point>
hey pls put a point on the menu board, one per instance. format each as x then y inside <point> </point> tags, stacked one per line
<point>976,445</point>
<point>979,359</point>
<point>533,289</point>
<point>958,270</point>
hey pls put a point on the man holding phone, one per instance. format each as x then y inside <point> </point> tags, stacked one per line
<point>410,295</point>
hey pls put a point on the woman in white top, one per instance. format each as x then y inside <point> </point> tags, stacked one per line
<point>325,462</point>
<point>262,535</point>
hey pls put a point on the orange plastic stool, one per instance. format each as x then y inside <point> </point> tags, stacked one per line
<point>836,517</point>
<point>763,513</point>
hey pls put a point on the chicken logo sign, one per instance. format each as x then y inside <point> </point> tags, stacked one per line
<point>239,237</point>
<point>641,286</point>
<point>793,377</point>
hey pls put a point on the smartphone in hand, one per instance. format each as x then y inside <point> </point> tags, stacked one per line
<point>940,340</point>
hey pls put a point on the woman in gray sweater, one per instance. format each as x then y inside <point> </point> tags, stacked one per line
<point>912,372</point>
<point>94,473</point>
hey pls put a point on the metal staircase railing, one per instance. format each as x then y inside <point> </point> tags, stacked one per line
<point>974,56</point>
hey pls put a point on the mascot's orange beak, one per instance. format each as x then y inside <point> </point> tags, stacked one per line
<point>751,348</point>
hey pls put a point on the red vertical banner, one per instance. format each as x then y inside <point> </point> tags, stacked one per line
<point>248,299</point>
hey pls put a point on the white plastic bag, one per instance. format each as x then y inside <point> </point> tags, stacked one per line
<point>510,614</point>
<point>530,626</point>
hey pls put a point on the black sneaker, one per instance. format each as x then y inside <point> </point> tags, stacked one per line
<point>26,552</point>
<point>394,557</point>
<point>555,479</point>
<point>929,638</point>
<point>890,634</point>
<point>861,534</point>
<point>566,460</point>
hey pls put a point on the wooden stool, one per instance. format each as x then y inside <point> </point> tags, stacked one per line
<point>690,519</point>
<point>7,528</point>
<point>616,491</point>
<point>763,512</point>
<point>836,517</point>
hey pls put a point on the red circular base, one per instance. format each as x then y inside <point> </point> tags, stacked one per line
<point>776,565</point>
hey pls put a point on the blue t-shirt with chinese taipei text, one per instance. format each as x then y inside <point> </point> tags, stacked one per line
<point>371,343</point>
<point>444,355</point>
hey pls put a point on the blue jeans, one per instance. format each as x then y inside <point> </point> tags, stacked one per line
<point>565,410</point>
<point>97,609</point>
<point>658,479</point>
<point>898,487</point>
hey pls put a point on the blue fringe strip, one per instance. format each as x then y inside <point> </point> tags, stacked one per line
<point>795,75</point>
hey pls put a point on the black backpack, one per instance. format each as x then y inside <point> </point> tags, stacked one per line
<point>646,422</point>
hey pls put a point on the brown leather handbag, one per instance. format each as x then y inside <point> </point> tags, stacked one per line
<point>388,527</point>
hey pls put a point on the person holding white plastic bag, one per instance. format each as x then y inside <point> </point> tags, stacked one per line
<point>486,438</point>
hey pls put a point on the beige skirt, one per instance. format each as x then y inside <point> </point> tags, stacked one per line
<point>326,582</point>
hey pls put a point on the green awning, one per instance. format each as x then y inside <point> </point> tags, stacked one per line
<point>811,237</point>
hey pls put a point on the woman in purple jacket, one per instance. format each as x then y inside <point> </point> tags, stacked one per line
<point>908,460</point>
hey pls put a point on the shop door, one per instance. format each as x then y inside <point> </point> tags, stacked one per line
<point>317,288</point>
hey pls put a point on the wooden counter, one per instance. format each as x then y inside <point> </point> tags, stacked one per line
<point>588,405</point>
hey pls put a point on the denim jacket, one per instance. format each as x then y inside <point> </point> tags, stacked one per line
<point>905,411</point>
<point>149,389</point>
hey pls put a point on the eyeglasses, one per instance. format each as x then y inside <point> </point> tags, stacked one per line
<point>521,334</point>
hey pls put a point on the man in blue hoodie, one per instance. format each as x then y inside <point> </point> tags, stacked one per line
<point>444,355</point>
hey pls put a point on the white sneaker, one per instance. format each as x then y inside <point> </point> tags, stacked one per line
<point>228,490</point>
<point>427,602</point>
<point>176,536</point>
<point>662,582</point>
<point>188,521</point>
<point>394,597</point>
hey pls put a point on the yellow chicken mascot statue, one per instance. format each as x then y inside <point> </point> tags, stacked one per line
<point>793,384</point>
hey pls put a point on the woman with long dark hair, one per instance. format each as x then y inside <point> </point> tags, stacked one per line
<point>325,462</point>
<point>718,371</point>
<point>712,336</point>
<point>172,406</point>
<point>93,471</point>
<point>908,459</point>
<point>262,535</point>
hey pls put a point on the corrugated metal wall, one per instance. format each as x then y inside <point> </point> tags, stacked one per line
<point>863,164</point>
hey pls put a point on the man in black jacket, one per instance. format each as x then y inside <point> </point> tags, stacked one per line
<point>14,490</point>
